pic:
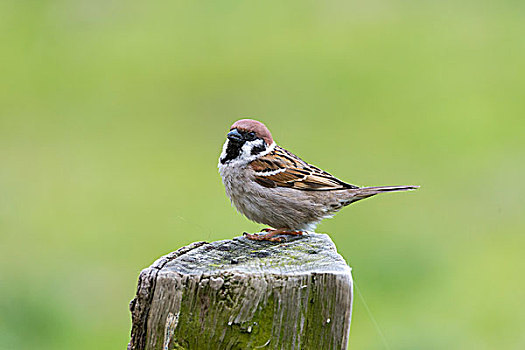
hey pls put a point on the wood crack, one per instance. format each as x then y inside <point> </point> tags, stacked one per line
<point>243,294</point>
<point>140,305</point>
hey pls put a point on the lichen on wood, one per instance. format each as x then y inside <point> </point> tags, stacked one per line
<point>243,294</point>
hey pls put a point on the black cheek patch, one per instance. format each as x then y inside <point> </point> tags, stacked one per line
<point>258,149</point>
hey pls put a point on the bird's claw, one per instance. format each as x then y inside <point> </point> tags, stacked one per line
<point>270,235</point>
<point>266,237</point>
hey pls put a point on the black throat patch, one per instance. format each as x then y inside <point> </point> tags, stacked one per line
<point>232,151</point>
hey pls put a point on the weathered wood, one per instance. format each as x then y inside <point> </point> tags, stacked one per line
<point>243,294</point>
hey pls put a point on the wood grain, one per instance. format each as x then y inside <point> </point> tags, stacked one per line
<point>243,294</point>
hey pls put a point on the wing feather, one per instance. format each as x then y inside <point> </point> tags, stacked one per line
<point>281,168</point>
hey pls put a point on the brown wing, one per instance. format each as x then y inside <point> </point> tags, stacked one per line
<point>281,168</point>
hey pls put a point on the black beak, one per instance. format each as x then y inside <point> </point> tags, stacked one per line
<point>235,136</point>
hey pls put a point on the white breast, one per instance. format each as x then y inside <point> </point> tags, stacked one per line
<point>277,207</point>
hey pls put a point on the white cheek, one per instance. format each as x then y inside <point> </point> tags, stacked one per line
<point>224,147</point>
<point>245,155</point>
<point>246,150</point>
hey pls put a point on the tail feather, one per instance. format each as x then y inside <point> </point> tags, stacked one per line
<point>365,192</point>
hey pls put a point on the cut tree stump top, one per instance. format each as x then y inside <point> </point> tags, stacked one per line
<point>243,294</point>
<point>311,253</point>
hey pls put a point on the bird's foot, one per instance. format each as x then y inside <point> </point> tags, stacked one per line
<point>271,233</point>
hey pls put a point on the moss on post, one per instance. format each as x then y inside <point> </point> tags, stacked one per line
<point>242,294</point>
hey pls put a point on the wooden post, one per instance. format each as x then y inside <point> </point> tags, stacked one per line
<point>243,294</point>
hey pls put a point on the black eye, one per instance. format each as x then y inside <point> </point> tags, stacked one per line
<point>250,136</point>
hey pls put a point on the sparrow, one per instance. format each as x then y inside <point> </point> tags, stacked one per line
<point>274,187</point>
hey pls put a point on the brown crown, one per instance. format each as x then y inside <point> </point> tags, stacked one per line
<point>258,128</point>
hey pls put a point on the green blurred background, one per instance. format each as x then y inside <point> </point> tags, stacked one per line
<point>113,115</point>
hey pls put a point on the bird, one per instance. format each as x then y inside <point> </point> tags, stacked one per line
<point>272,186</point>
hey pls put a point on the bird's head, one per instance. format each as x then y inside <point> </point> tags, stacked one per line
<point>246,141</point>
